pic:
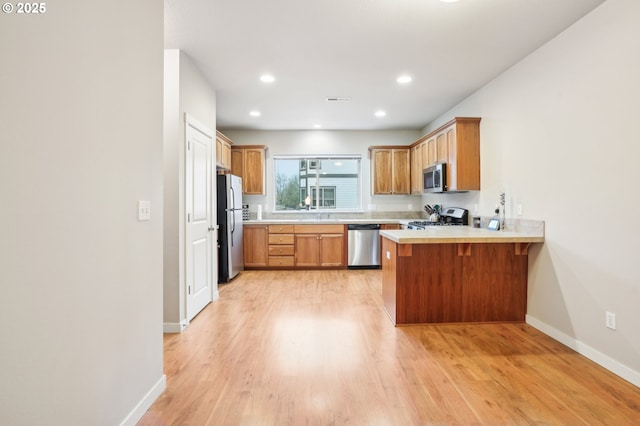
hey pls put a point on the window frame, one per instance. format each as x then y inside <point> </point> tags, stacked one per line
<point>311,164</point>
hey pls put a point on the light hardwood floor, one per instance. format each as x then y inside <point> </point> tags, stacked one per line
<point>317,348</point>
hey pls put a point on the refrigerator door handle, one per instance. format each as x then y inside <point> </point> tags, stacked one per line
<point>231,210</point>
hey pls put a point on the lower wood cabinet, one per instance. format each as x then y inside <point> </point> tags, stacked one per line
<point>320,246</point>
<point>294,246</point>
<point>281,245</point>
<point>255,245</point>
<point>314,250</point>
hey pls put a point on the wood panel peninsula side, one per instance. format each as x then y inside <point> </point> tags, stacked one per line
<point>452,274</point>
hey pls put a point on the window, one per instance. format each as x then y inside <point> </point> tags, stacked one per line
<point>326,183</point>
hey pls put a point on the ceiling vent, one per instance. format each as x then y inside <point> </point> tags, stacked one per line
<point>338,99</point>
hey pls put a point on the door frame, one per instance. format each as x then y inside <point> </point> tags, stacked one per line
<point>190,121</point>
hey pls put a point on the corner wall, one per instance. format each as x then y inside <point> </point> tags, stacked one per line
<point>186,91</point>
<point>559,135</point>
<point>81,277</point>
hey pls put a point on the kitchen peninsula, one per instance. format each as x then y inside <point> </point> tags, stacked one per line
<point>456,274</point>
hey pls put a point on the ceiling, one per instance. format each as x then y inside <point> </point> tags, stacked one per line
<point>356,49</point>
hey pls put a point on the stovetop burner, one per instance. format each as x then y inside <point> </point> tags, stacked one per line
<point>452,216</point>
<point>424,223</point>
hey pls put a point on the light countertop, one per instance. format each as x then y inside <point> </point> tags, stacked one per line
<point>463,234</point>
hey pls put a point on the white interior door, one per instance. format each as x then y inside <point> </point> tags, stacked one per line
<point>199,259</point>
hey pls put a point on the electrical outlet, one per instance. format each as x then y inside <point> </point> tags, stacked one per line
<point>371,206</point>
<point>611,320</point>
<point>475,208</point>
<point>409,206</point>
<point>519,209</point>
<point>144,210</point>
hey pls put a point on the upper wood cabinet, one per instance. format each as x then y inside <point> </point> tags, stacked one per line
<point>223,151</point>
<point>390,170</point>
<point>248,162</point>
<point>456,143</point>
<point>463,154</point>
<point>418,163</point>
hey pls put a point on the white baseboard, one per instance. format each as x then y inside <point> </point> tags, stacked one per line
<point>598,357</point>
<point>136,414</point>
<point>174,327</point>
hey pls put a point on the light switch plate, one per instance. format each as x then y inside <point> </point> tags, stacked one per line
<point>144,210</point>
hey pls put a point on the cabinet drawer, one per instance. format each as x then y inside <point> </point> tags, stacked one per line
<point>281,239</point>
<point>281,229</point>
<point>319,229</point>
<point>280,260</point>
<point>280,250</point>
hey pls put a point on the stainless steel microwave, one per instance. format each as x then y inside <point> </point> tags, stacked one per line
<point>435,178</point>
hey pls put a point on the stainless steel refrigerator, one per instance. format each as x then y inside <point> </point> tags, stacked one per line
<point>229,211</point>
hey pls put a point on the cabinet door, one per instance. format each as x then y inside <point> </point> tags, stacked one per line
<point>420,167</point>
<point>253,176</point>
<point>465,137</point>
<point>226,155</point>
<point>381,169</point>
<point>441,148</point>
<point>255,239</point>
<point>401,168</point>
<point>237,163</point>
<point>307,250</point>
<point>452,164</point>
<point>219,160</point>
<point>432,151</point>
<point>331,250</point>
<point>414,169</point>
<point>425,156</point>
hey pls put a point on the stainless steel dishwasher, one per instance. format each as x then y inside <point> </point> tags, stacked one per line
<point>364,246</point>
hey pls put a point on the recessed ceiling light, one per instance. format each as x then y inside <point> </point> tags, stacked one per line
<point>448,1</point>
<point>380,113</point>
<point>255,113</point>
<point>404,79</point>
<point>317,126</point>
<point>267,78</point>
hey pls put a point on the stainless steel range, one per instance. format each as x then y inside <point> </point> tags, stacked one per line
<point>451,216</point>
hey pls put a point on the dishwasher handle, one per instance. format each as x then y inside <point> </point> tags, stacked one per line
<point>363,227</point>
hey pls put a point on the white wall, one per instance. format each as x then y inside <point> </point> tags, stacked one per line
<point>186,91</point>
<point>80,276</point>
<point>309,142</point>
<point>559,134</point>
